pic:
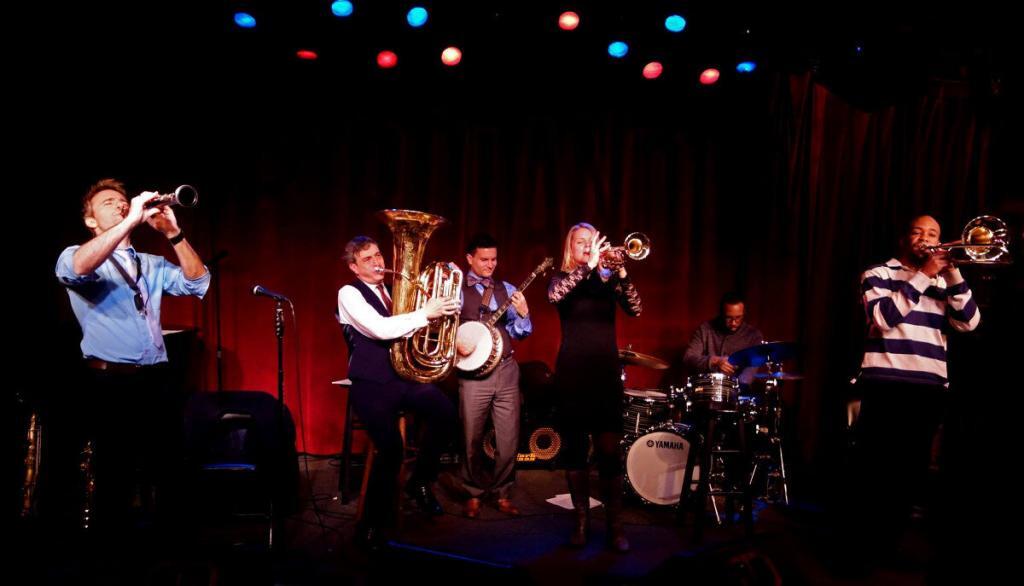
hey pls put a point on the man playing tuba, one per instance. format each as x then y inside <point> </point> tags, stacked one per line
<point>378,393</point>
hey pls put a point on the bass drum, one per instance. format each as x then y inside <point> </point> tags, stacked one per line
<point>656,463</point>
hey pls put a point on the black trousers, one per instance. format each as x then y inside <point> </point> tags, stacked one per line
<point>135,423</point>
<point>378,405</point>
<point>895,431</point>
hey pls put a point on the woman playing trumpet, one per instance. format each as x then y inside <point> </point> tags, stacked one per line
<point>592,280</point>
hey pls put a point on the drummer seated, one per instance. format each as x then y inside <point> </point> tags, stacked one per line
<point>717,338</point>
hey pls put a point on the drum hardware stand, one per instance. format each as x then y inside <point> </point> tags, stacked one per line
<point>622,366</point>
<point>717,479</point>
<point>711,453</point>
<point>774,461</point>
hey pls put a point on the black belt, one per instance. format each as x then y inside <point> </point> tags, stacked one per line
<point>115,367</point>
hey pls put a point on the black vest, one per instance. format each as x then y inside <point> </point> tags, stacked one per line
<point>369,359</point>
<point>474,310</point>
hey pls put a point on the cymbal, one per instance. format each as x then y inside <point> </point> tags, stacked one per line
<point>779,375</point>
<point>638,359</point>
<point>762,353</point>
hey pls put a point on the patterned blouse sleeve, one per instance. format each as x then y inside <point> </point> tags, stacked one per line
<point>628,297</point>
<point>562,283</point>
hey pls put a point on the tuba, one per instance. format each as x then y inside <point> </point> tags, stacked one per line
<point>429,354</point>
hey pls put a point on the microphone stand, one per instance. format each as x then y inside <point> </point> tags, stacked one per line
<point>276,519</point>
<point>277,524</point>
<point>279,329</point>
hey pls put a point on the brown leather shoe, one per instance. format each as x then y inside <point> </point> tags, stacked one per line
<point>472,508</point>
<point>506,506</point>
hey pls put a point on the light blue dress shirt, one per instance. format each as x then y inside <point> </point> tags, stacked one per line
<point>113,329</point>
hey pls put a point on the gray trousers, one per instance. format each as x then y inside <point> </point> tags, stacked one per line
<point>496,396</point>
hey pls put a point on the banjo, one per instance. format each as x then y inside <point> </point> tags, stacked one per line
<point>484,338</point>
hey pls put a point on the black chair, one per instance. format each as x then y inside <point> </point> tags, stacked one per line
<point>241,463</point>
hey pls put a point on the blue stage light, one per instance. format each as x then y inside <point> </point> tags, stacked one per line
<point>675,23</point>
<point>618,49</point>
<point>245,20</point>
<point>417,16</point>
<point>342,8</point>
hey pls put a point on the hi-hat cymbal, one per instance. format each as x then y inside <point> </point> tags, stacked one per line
<point>638,359</point>
<point>764,352</point>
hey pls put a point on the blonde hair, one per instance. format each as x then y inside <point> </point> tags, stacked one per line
<point>569,265</point>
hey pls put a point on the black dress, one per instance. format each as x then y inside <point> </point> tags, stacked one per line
<point>587,372</point>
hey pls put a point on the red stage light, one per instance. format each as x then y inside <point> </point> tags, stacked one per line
<point>387,59</point>
<point>306,54</point>
<point>709,76</point>
<point>568,21</point>
<point>653,70</point>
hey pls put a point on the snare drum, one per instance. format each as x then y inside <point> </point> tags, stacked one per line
<point>656,463</point>
<point>715,391</point>
<point>643,409</point>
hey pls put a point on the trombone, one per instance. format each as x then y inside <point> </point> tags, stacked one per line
<point>984,240</point>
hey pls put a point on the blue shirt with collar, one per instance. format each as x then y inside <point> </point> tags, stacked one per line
<point>518,327</point>
<point>113,329</point>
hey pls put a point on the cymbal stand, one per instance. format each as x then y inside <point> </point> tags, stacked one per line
<point>772,460</point>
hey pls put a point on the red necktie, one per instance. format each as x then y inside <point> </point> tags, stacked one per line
<point>384,296</point>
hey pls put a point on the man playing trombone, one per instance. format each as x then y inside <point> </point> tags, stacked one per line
<point>909,302</point>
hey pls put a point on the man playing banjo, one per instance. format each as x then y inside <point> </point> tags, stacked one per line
<point>494,392</point>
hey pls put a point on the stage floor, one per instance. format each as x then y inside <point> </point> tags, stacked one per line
<point>790,545</point>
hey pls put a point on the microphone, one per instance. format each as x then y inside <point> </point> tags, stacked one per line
<point>259,290</point>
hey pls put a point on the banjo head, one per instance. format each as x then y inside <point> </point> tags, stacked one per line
<point>475,334</point>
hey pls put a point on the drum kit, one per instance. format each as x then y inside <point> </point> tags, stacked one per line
<point>660,427</point>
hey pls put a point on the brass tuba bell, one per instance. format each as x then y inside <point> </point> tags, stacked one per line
<point>429,354</point>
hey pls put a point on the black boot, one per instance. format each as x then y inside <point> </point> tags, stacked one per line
<point>611,493</point>
<point>579,490</point>
<point>425,499</point>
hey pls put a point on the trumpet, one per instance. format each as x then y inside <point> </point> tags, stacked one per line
<point>984,240</point>
<point>636,246</point>
<point>185,196</point>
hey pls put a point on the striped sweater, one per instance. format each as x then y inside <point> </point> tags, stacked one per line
<point>909,314</point>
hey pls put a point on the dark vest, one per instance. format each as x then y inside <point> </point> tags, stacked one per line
<point>369,359</point>
<point>474,310</point>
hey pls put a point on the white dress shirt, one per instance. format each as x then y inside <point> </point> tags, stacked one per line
<point>354,310</point>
